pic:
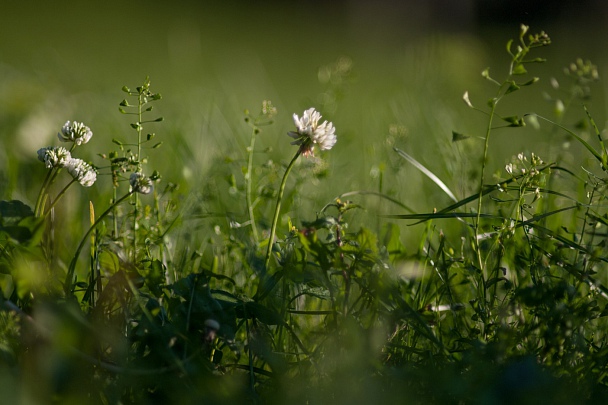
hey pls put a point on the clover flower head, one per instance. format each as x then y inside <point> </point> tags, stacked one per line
<point>141,183</point>
<point>310,132</point>
<point>54,156</point>
<point>75,132</point>
<point>82,172</point>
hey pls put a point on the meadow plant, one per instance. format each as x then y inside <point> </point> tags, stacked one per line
<point>503,300</point>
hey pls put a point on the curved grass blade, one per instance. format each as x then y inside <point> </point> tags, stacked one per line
<point>428,173</point>
<point>578,138</point>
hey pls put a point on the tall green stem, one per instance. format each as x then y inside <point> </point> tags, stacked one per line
<point>40,201</point>
<point>482,181</point>
<point>248,181</point>
<point>277,209</point>
<point>61,193</point>
<point>140,102</point>
<point>67,287</point>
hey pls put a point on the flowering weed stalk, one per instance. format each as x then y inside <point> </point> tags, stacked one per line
<point>135,161</point>
<point>308,134</point>
<point>264,118</point>
<point>508,86</point>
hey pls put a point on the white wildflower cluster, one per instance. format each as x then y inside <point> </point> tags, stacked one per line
<point>54,156</point>
<point>57,157</point>
<point>75,132</point>
<point>141,183</point>
<point>82,172</point>
<point>521,165</point>
<point>310,132</point>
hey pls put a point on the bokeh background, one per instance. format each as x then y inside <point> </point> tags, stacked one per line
<point>409,62</point>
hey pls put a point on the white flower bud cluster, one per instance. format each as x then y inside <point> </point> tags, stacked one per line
<point>54,156</point>
<point>75,132</point>
<point>82,172</point>
<point>140,183</point>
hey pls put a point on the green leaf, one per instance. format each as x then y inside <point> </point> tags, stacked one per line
<point>457,136</point>
<point>392,241</point>
<point>530,82</point>
<point>7,285</point>
<point>514,121</point>
<point>254,310</point>
<point>512,87</point>
<point>509,43</point>
<point>12,212</point>
<point>519,69</point>
<point>154,277</point>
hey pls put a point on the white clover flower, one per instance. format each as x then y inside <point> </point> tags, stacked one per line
<point>75,132</point>
<point>310,132</point>
<point>141,183</point>
<point>54,156</point>
<point>82,172</point>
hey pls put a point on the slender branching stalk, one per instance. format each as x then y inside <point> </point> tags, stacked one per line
<point>277,209</point>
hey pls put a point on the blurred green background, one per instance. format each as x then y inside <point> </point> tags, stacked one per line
<point>411,63</point>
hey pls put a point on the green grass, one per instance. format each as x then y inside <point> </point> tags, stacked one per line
<point>379,286</point>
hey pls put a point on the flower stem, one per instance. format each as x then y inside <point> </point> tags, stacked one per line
<point>277,209</point>
<point>42,196</point>
<point>67,287</point>
<point>248,181</point>
<point>61,193</point>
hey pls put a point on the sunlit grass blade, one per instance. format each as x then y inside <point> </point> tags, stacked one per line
<point>441,215</point>
<point>578,138</point>
<point>604,160</point>
<point>486,190</point>
<point>427,173</point>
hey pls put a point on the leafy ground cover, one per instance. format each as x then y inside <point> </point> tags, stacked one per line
<point>273,280</point>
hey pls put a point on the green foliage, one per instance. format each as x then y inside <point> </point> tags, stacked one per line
<point>230,296</point>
